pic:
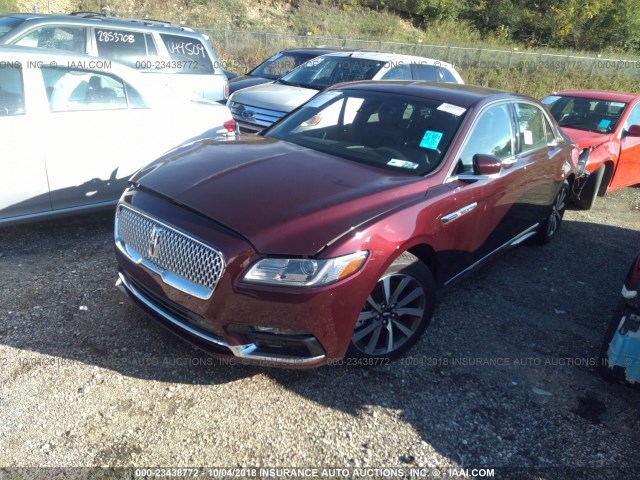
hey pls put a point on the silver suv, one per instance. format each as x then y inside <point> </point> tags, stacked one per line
<point>169,54</point>
<point>258,107</point>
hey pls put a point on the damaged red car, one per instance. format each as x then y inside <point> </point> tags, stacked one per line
<point>331,233</point>
<point>606,128</point>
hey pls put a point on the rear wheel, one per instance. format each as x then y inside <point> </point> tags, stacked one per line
<point>552,223</point>
<point>397,311</point>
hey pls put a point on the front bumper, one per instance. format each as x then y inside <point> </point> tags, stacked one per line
<point>298,350</point>
<point>266,325</point>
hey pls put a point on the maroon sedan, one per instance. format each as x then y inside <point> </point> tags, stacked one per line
<point>606,127</point>
<point>331,233</point>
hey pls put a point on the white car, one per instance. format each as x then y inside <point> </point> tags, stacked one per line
<point>258,107</point>
<point>75,128</point>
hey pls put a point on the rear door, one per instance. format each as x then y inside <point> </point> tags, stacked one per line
<point>23,178</point>
<point>95,141</point>
<point>533,174</point>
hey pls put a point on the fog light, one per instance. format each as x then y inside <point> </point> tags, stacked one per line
<point>278,331</point>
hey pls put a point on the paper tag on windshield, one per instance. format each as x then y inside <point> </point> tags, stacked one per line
<point>394,162</point>
<point>452,109</point>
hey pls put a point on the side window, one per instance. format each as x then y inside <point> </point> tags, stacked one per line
<point>11,90</point>
<point>189,54</point>
<point>134,98</point>
<point>633,118</point>
<point>426,72</point>
<point>532,127</point>
<point>491,135</point>
<point>124,46</point>
<point>399,72</point>
<point>71,90</point>
<point>62,37</point>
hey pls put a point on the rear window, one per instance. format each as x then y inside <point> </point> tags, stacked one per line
<point>188,55</point>
<point>427,72</point>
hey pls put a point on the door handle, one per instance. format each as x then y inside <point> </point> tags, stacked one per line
<point>458,213</point>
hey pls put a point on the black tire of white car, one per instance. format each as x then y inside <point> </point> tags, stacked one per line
<point>589,193</point>
<point>397,312</point>
<point>551,224</point>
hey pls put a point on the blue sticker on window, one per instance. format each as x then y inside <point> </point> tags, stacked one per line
<point>604,123</point>
<point>431,140</point>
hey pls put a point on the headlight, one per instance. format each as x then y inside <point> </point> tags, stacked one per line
<point>304,272</point>
<point>582,160</point>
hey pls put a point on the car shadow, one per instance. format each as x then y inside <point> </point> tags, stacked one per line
<point>510,357</point>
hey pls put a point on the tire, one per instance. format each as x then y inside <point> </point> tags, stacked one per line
<point>551,225</point>
<point>615,373</point>
<point>394,318</point>
<point>590,191</point>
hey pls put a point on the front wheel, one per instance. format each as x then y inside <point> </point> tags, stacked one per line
<point>397,311</point>
<point>552,223</point>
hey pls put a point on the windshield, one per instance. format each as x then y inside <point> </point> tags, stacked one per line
<point>589,114</point>
<point>389,131</point>
<point>322,72</point>
<point>8,23</point>
<point>279,64</point>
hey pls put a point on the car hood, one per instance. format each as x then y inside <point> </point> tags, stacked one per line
<point>274,96</point>
<point>586,139</point>
<point>284,198</point>
<point>245,81</point>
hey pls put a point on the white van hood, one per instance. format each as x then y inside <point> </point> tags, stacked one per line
<point>273,96</point>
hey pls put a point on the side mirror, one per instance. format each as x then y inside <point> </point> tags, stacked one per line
<point>486,164</point>
<point>634,131</point>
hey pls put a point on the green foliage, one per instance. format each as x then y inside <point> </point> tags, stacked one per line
<point>8,5</point>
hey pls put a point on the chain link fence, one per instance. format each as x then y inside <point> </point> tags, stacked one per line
<point>240,51</point>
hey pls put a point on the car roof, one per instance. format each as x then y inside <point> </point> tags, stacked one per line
<point>385,57</point>
<point>458,94</point>
<point>318,50</point>
<point>91,18</point>
<point>599,95</point>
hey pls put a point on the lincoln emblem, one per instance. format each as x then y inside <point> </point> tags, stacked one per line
<point>154,242</point>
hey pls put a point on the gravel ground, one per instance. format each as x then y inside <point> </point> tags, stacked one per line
<point>505,376</point>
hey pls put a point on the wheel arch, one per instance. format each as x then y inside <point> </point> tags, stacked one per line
<point>427,255</point>
<point>606,179</point>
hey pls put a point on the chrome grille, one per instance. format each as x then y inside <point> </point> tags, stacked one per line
<point>262,116</point>
<point>181,261</point>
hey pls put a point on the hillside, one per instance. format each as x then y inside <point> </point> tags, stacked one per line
<point>514,28</point>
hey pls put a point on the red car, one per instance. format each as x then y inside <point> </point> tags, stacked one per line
<point>606,127</point>
<point>330,233</point>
